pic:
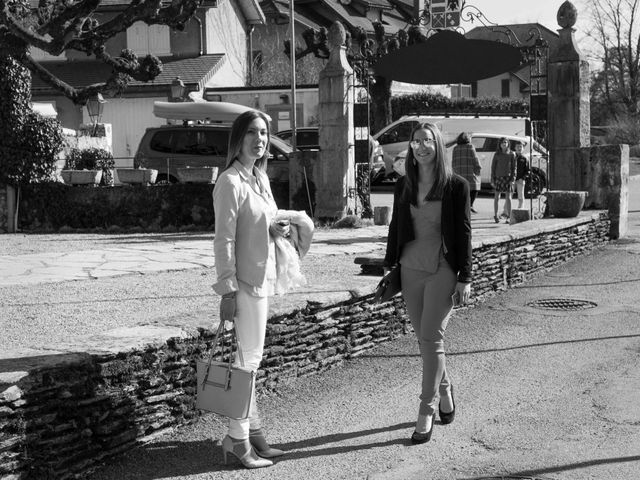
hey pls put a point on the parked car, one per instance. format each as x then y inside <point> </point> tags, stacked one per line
<point>307,138</point>
<point>486,145</point>
<point>170,147</point>
<point>394,137</point>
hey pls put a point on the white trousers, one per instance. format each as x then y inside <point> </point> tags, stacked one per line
<point>250,325</point>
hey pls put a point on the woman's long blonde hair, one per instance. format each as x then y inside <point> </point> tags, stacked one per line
<point>239,130</point>
<point>442,171</point>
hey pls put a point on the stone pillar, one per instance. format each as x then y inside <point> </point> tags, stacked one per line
<point>568,107</point>
<point>334,176</point>
<point>604,174</point>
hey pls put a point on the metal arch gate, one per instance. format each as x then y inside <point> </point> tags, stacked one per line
<point>362,148</point>
<point>538,55</point>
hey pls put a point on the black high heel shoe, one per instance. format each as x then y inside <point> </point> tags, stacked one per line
<point>447,418</point>
<point>418,438</point>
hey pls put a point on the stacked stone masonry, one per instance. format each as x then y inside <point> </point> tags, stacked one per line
<point>59,420</point>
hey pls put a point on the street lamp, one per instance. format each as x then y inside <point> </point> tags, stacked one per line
<point>177,90</point>
<point>95,107</point>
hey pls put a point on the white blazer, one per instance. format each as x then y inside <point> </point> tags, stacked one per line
<point>242,219</point>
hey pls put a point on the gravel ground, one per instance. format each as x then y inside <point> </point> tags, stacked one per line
<point>28,243</point>
<point>71,311</point>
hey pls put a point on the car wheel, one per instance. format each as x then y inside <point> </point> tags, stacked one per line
<point>536,183</point>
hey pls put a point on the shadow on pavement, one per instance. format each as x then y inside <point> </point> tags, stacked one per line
<point>504,349</point>
<point>174,459</point>
<point>340,437</point>
<point>535,474</point>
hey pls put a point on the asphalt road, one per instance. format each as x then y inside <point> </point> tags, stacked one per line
<point>540,393</point>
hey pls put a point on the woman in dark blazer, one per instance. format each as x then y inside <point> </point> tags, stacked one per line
<point>430,237</point>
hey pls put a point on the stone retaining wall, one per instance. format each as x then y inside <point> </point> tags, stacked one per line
<point>61,414</point>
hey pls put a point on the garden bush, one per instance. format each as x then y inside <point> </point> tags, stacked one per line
<point>424,103</point>
<point>92,159</point>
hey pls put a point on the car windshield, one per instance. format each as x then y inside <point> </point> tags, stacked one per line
<point>281,144</point>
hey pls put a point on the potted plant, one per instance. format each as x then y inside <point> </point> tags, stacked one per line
<point>137,175</point>
<point>565,203</point>
<point>198,174</point>
<point>89,166</point>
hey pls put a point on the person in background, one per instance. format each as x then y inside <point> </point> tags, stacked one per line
<point>430,238</point>
<point>522,172</point>
<point>245,257</point>
<point>503,174</point>
<point>465,163</point>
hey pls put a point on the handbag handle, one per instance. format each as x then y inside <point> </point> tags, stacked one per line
<point>220,335</point>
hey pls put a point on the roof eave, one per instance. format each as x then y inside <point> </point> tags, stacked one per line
<point>252,12</point>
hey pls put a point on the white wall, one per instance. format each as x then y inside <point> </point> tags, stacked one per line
<point>224,33</point>
<point>129,118</point>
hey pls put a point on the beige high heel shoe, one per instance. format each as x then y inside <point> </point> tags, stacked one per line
<point>242,450</point>
<point>260,445</point>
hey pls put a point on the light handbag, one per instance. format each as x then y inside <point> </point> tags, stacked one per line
<point>223,388</point>
<point>389,286</point>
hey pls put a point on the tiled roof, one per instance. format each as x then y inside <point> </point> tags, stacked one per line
<point>324,12</point>
<point>192,71</point>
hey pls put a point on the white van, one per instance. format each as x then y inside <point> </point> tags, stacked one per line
<point>394,137</point>
<point>486,145</point>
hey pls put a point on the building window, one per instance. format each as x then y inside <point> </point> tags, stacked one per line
<point>506,90</point>
<point>460,91</point>
<point>146,39</point>
<point>474,89</point>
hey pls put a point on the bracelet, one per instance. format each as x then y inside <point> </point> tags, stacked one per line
<point>229,295</point>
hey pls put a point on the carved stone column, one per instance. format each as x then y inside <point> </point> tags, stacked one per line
<point>334,176</point>
<point>603,172</point>
<point>568,91</point>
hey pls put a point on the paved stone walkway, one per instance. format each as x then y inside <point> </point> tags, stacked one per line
<point>172,255</point>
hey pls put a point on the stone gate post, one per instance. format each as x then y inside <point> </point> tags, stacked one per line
<point>602,171</point>
<point>568,108</point>
<point>335,173</point>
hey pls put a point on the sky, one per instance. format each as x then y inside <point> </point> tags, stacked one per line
<point>525,11</point>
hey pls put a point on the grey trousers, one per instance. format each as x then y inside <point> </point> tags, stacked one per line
<point>428,300</point>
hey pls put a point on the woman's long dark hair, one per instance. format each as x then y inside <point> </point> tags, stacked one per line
<point>239,130</point>
<point>442,171</point>
<point>503,139</point>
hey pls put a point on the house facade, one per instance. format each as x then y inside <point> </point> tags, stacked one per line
<point>512,84</point>
<point>269,80</point>
<point>212,50</point>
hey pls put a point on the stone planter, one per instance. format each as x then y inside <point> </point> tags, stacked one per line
<point>565,203</point>
<point>137,175</point>
<point>198,174</point>
<point>81,177</point>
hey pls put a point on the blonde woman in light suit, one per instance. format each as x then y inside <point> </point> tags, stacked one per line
<point>245,259</point>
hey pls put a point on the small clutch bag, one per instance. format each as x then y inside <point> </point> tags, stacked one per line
<point>389,286</point>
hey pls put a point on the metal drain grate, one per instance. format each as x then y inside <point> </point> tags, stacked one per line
<point>562,304</point>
